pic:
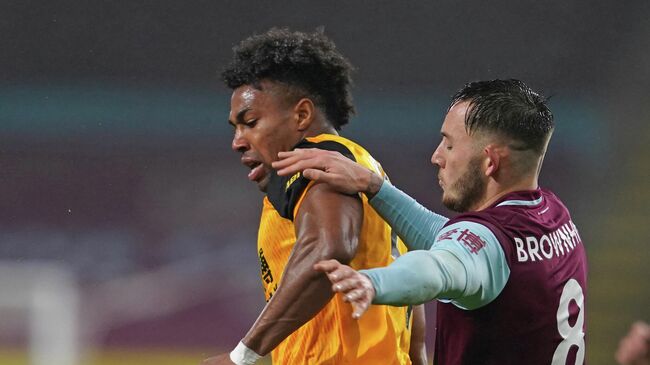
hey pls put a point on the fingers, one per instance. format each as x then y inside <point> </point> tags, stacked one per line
<point>300,159</point>
<point>347,283</point>
<point>318,176</point>
<point>359,308</point>
<point>294,164</point>
<point>343,277</point>
<point>302,153</point>
<point>360,298</point>
<point>355,295</point>
<point>298,152</point>
<point>327,266</point>
<point>291,162</point>
<point>355,287</point>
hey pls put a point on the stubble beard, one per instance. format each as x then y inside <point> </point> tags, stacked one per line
<point>468,189</point>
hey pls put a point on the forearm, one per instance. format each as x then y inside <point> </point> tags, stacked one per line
<point>415,224</point>
<point>471,278</point>
<point>418,277</point>
<point>300,296</point>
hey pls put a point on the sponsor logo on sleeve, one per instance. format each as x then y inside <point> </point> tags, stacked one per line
<point>471,240</point>
<point>449,235</point>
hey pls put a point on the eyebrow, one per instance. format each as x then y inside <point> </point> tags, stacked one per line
<point>445,135</point>
<point>240,116</point>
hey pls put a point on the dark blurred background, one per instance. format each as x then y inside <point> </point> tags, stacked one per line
<point>128,227</point>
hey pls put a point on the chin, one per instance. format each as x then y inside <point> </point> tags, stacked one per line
<point>454,204</point>
<point>449,203</point>
<point>263,184</point>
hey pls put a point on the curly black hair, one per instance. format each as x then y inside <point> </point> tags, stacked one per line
<point>307,63</point>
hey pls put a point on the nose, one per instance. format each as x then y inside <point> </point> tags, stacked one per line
<point>239,143</point>
<point>437,158</point>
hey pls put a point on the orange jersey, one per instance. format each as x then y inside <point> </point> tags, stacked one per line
<point>382,334</point>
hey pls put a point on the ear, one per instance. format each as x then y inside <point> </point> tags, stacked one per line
<point>492,159</point>
<point>304,112</point>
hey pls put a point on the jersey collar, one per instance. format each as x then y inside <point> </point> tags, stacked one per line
<point>527,198</point>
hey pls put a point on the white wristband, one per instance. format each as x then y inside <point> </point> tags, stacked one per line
<point>242,355</point>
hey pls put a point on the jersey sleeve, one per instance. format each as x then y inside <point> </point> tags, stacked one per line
<point>415,224</point>
<point>483,258</point>
<point>465,266</point>
<point>285,192</point>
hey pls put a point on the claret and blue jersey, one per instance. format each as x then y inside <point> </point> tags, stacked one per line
<point>538,315</point>
<point>510,279</point>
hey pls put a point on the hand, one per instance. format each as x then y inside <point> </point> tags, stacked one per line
<point>356,288</point>
<point>634,348</point>
<point>223,359</point>
<point>332,168</point>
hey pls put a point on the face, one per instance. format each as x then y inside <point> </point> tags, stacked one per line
<point>459,159</point>
<point>263,126</point>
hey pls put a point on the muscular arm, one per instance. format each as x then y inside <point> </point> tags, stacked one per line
<point>327,227</point>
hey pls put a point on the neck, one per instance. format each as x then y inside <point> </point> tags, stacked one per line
<point>319,127</point>
<point>496,190</point>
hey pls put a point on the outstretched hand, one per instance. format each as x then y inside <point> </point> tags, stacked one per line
<point>356,288</point>
<point>332,168</point>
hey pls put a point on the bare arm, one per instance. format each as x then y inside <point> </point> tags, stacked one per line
<point>418,350</point>
<point>327,227</point>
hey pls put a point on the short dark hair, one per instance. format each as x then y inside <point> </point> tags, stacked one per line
<point>508,108</point>
<point>307,63</point>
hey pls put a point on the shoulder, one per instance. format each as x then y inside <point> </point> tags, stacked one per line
<point>471,236</point>
<point>327,144</point>
<point>484,261</point>
<point>483,218</point>
<point>285,193</point>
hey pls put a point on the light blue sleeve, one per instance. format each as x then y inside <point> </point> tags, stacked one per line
<point>466,266</point>
<point>415,224</point>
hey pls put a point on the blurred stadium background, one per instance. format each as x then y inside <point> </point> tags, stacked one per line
<point>127,226</point>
